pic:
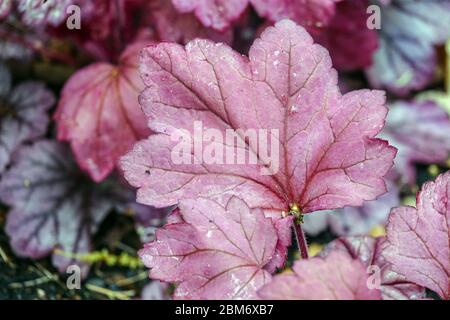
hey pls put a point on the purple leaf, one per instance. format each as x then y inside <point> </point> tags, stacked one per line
<point>421,133</point>
<point>23,111</point>
<point>410,30</point>
<point>54,208</point>
<point>418,240</point>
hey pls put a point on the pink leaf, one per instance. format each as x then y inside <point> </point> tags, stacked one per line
<point>370,252</point>
<point>335,277</point>
<point>218,14</point>
<point>419,239</point>
<point>178,27</point>
<point>99,113</point>
<point>214,252</point>
<point>328,156</point>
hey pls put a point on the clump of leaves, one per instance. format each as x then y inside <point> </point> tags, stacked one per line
<point>329,155</point>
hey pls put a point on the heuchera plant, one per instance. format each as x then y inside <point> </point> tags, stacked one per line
<point>290,76</point>
<point>225,230</point>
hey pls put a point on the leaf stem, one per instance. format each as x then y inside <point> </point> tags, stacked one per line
<point>301,240</point>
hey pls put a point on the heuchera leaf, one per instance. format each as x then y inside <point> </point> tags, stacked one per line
<point>352,221</point>
<point>54,206</point>
<point>329,157</point>
<point>346,31</point>
<point>212,251</point>
<point>178,27</point>
<point>23,114</point>
<point>369,251</point>
<point>335,277</point>
<point>420,130</point>
<point>99,113</point>
<point>419,239</point>
<point>410,30</point>
<point>217,14</point>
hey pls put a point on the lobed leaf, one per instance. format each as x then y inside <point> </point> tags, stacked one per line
<point>23,114</point>
<point>54,208</point>
<point>213,251</point>
<point>328,158</point>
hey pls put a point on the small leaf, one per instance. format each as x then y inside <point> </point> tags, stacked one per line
<point>54,208</point>
<point>23,114</point>
<point>213,252</point>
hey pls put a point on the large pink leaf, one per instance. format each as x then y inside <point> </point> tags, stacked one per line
<point>218,14</point>
<point>213,252</point>
<point>419,239</point>
<point>99,113</point>
<point>370,252</point>
<point>335,277</point>
<point>328,158</point>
